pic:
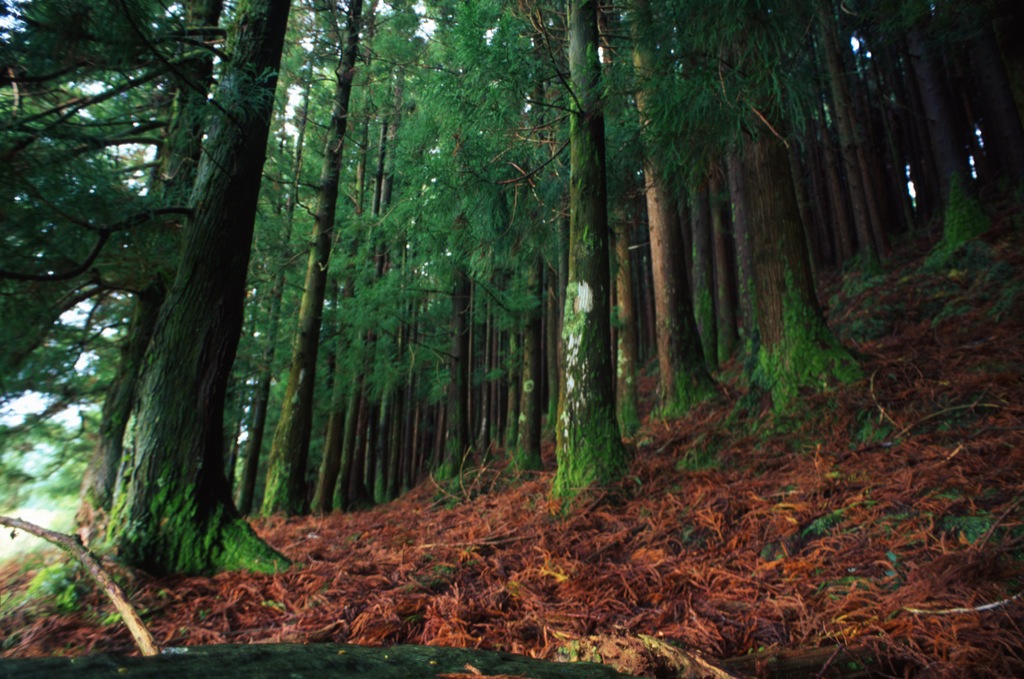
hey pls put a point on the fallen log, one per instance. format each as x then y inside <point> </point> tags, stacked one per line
<point>313,661</point>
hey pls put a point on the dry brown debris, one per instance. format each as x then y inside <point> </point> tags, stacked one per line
<point>810,537</point>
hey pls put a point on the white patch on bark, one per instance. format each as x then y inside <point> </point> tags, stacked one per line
<point>585,299</point>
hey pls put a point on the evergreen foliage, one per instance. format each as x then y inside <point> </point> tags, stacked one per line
<point>454,181</point>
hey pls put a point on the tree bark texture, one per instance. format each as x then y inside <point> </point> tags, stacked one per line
<point>530,408</point>
<point>798,351</point>
<point>683,378</point>
<point>589,447</point>
<point>743,241</point>
<point>101,475</point>
<point>725,270</point>
<point>177,515</point>
<point>950,160</point>
<point>626,388</point>
<point>457,440</point>
<point>703,278</point>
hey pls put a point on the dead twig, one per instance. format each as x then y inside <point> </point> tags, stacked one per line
<point>971,609</point>
<point>73,545</point>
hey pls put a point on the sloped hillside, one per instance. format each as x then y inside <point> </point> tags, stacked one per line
<point>882,520</point>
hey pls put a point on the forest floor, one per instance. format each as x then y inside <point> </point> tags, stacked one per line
<point>882,519</point>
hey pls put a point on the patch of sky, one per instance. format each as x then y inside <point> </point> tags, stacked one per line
<point>427,25</point>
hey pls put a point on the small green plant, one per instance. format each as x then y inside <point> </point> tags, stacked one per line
<point>870,430</point>
<point>59,585</point>
<point>1005,300</point>
<point>970,528</point>
<point>823,524</point>
<point>701,456</point>
<point>111,619</point>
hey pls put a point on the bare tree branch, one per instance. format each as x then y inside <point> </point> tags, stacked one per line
<point>73,545</point>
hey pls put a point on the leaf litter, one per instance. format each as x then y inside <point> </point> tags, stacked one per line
<point>885,516</point>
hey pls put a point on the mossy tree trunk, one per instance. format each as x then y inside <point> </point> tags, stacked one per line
<point>100,480</point>
<point>176,515</point>
<point>589,446</point>
<point>798,352</point>
<point>457,442</point>
<point>528,446</point>
<point>626,388</point>
<point>286,469</point>
<point>173,179</point>
<point>683,377</point>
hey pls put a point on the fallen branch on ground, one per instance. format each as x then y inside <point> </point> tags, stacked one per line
<point>73,545</point>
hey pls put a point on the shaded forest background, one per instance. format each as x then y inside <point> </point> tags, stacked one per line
<point>273,259</point>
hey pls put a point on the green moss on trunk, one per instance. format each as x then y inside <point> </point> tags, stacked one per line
<point>808,357</point>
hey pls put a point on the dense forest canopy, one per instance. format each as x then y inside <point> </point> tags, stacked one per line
<point>289,257</point>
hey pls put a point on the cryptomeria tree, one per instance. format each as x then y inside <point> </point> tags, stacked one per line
<point>176,514</point>
<point>589,445</point>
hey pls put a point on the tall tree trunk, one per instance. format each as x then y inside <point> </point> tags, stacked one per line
<point>589,447</point>
<point>725,272</point>
<point>820,203</point>
<point>486,365</point>
<point>349,440</point>
<point>627,408</point>
<point>357,494</point>
<point>457,441</point>
<point>286,468</point>
<point>177,515</point>
<point>804,208</point>
<point>892,116</point>
<point>744,243</point>
<point>514,395</point>
<point>682,379</point>
<point>797,350</point>
<point>528,445</point>
<point>552,327</point>
<point>950,159</point>
<point>1001,127</point>
<point>839,197</point>
<point>101,475</point>
<point>704,278</point>
<point>849,136</point>
<point>176,175</point>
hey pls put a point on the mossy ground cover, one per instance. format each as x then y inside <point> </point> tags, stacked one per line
<point>884,514</point>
